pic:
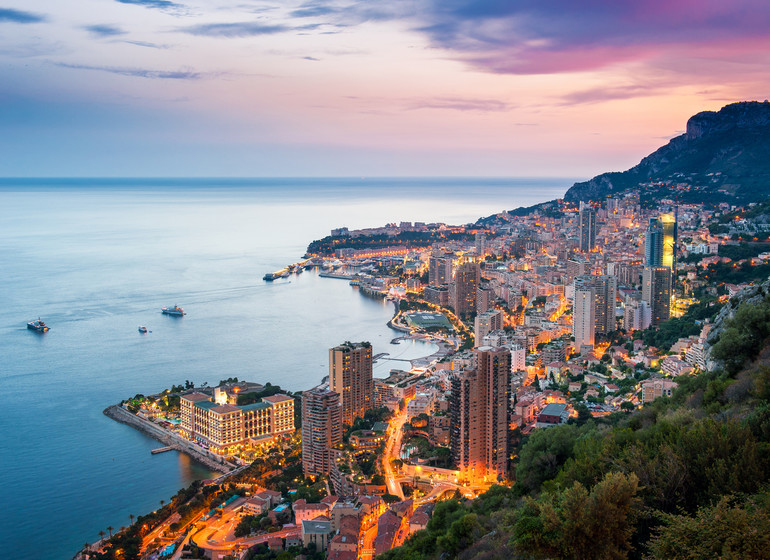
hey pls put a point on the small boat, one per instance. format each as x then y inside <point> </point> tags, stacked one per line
<point>142,329</point>
<point>175,311</point>
<point>37,326</point>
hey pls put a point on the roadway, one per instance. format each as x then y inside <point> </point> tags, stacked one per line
<point>392,451</point>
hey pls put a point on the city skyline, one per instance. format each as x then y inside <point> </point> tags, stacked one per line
<point>167,88</point>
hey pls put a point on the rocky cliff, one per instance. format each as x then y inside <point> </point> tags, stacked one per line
<point>723,155</point>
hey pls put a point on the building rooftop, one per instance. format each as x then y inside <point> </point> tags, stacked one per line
<point>195,397</point>
<point>554,409</point>
<point>254,406</point>
<point>277,398</point>
<point>317,527</point>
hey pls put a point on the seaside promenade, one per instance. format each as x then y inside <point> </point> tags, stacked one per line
<point>175,441</point>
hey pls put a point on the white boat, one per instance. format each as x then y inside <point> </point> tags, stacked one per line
<point>175,311</point>
<point>37,326</point>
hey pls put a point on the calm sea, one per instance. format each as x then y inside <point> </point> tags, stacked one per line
<point>96,258</point>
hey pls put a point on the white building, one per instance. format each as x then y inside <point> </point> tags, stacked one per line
<point>487,322</point>
<point>583,322</point>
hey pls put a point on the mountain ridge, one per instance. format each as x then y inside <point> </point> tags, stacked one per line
<point>723,155</point>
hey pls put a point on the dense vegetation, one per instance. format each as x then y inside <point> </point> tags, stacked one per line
<point>683,478</point>
<point>329,244</point>
<point>668,332</point>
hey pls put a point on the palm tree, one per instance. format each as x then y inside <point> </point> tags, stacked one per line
<point>131,517</point>
<point>110,528</point>
<point>101,535</point>
<point>86,550</point>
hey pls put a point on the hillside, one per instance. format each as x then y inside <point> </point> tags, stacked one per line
<point>723,156</point>
<point>682,478</point>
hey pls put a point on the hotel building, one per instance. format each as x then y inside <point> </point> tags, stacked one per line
<point>221,426</point>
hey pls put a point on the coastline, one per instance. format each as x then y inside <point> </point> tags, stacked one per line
<point>120,414</point>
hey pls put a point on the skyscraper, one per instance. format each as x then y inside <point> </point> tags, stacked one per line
<point>587,229</point>
<point>350,376</point>
<point>321,430</point>
<point>463,288</point>
<point>484,298</point>
<point>440,269</point>
<point>583,318</point>
<point>653,244</point>
<point>660,242</point>
<point>479,414</point>
<point>656,291</point>
<point>605,289</point>
<point>487,322</point>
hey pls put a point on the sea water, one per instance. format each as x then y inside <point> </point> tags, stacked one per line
<point>95,259</point>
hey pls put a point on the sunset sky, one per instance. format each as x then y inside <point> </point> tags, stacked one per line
<point>350,88</point>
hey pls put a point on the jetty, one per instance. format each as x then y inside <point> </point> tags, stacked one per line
<point>339,275</point>
<point>286,271</point>
<point>162,449</point>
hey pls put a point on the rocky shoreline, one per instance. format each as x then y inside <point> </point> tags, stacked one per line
<point>120,414</point>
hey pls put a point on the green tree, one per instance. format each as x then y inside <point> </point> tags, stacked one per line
<point>543,454</point>
<point>581,525</point>
<point>728,530</point>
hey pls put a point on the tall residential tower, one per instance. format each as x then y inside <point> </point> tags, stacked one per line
<point>479,415</point>
<point>321,430</point>
<point>587,229</point>
<point>350,376</point>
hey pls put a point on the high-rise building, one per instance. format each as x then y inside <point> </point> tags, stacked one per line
<point>487,322</point>
<point>583,321</point>
<point>321,430</point>
<point>636,315</point>
<point>656,291</point>
<point>485,297</point>
<point>518,357</point>
<point>463,289</point>
<point>587,229</point>
<point>660,242</point>
<point>350,376</point>
<point>440,269</point>
<point>479,414</point>
<point>481,243</point>
<point>605,288</point>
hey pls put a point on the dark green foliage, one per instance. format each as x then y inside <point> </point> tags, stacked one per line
<point>268,391</point>
<point>733,529</point>
<point>742,250</point>
<point>543,455</point>
<point>329,244</point>
<point>732,273</point>
<point>579,524</point>
<point>743,336</point>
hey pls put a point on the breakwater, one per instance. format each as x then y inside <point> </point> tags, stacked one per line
<point>213,462</point>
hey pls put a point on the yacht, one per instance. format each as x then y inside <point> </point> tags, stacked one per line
<point>175,311</point>
<point>37,326</point>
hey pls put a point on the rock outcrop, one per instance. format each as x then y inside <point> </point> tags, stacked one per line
<point>723,153</point>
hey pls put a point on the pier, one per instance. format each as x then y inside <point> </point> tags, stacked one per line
<point>161,450</point>
<point>335,275</point>
<point>286,271</point>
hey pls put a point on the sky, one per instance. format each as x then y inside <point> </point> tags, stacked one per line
<point>526,88</point>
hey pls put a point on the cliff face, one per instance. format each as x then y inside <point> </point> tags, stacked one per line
<point>724,155</point>
<point>751,295</point>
